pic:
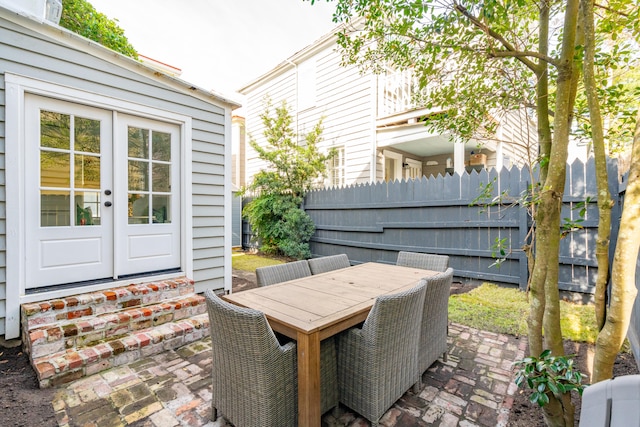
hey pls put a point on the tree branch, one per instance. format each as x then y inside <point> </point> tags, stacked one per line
<point>608,9</point>
<point>507,54</point>
<point>508,46</point>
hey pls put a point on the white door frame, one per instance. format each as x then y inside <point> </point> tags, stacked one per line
<point>397,160</point>
<point>15,88</point>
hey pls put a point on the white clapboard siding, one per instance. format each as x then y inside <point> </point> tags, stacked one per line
<point>344,101</point>
<point>27,51</point>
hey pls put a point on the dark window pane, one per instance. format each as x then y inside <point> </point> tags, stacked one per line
<point>55,169</point>
<point>138,209</point>
<point>161,146</point>
<point>87,135</point>
<point>55,130</point>
<point>138,176</point>
<point>87,171</point>
<point>161,178</point>
<point>161,209</point>
<point>87,208</point>
<point>138,143</point>
<point>54,209</point>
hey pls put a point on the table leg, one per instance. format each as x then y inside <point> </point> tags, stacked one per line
<point>309,380</point>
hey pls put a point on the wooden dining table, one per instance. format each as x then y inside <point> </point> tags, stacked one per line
<point>316,307</point>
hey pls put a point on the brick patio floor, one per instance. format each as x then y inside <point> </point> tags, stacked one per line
<point>473,388</point>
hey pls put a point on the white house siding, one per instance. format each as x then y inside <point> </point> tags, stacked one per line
<point>28,53</point>
<point>518,129</point>
<point>344,101</point>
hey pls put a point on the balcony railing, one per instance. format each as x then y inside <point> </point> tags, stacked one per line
<point>396,90</point>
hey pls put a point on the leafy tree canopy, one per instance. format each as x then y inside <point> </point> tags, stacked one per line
<point>475,59</point>
<point>82,18</point>
<point>293,169</point>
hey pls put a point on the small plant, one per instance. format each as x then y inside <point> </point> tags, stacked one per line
<point>547,375</point>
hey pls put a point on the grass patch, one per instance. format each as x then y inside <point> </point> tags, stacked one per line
<point>505,310</point>
<point>249,262</point>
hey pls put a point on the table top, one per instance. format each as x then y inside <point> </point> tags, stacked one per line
<point>319,301</point>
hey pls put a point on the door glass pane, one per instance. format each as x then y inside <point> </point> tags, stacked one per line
<point>149,176</point>
<point>55,130</point>
<point>87,208</point>
<point>138,143</point>
<point>87,171</point>
<point>161,177</point>
<point>54,211</point>
<point>55,169</point>
<point>138,209</point>
<point>138,176</point>
<point>161,146</point>
<point>161,209</point>
<point>87,135</point>
<point>69,164</point>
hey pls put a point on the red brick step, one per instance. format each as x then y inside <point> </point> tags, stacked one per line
<point>80,335</point>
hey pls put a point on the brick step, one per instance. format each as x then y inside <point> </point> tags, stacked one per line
<point>85,331</point>
<point>43,313</point>
<point>74,363</point>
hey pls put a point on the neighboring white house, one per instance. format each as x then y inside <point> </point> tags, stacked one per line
<point>371,121</point>
<point>111,169</point>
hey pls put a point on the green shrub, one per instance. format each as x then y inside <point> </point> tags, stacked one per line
<point>275,213</point>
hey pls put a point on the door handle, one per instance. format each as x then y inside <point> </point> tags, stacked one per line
<point>107,203</point>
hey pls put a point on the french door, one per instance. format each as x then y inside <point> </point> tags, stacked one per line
<point>101,194</point>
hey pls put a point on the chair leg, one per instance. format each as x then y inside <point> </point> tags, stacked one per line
<point>444,356</point>
<point>214,413</point>
<point>417,386</point>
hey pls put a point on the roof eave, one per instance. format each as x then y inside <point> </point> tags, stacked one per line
<point>95,49</point>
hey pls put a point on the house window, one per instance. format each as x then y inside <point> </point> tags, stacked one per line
<point>335,168</point>
<point>307,84</point>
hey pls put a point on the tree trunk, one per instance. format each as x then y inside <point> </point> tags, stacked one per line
<point>557,414</point>
<point>623,290</point>
<point>604,197</point>
<point>544,284</point>
<point>537,275</point>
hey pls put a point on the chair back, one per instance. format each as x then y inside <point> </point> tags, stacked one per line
<point>236,329</point>
<point>393,324</point>
<point>273,274</point>
<point>612,403</point>
<point>435,319</point>
<point>328,263</point>
<point>424,261</point>
<point>254,378</point>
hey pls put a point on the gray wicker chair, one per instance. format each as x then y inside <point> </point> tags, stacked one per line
<point>425,261</point>
<point>378,363</point>
<point>273,274</point>
<point>254,378</point>
<point>328,263</point>
<point>435,320</point>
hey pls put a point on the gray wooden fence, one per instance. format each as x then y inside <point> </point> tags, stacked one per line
<point>372,222</point>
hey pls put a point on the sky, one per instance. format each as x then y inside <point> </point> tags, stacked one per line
<point>220,45</point>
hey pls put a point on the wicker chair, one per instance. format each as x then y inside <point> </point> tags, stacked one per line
<point>255,378</point>
<point>328,263</point>
<point>425,261</point>
<point>435,320</point>
<point>378,363</point>
<point>282,272</point>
